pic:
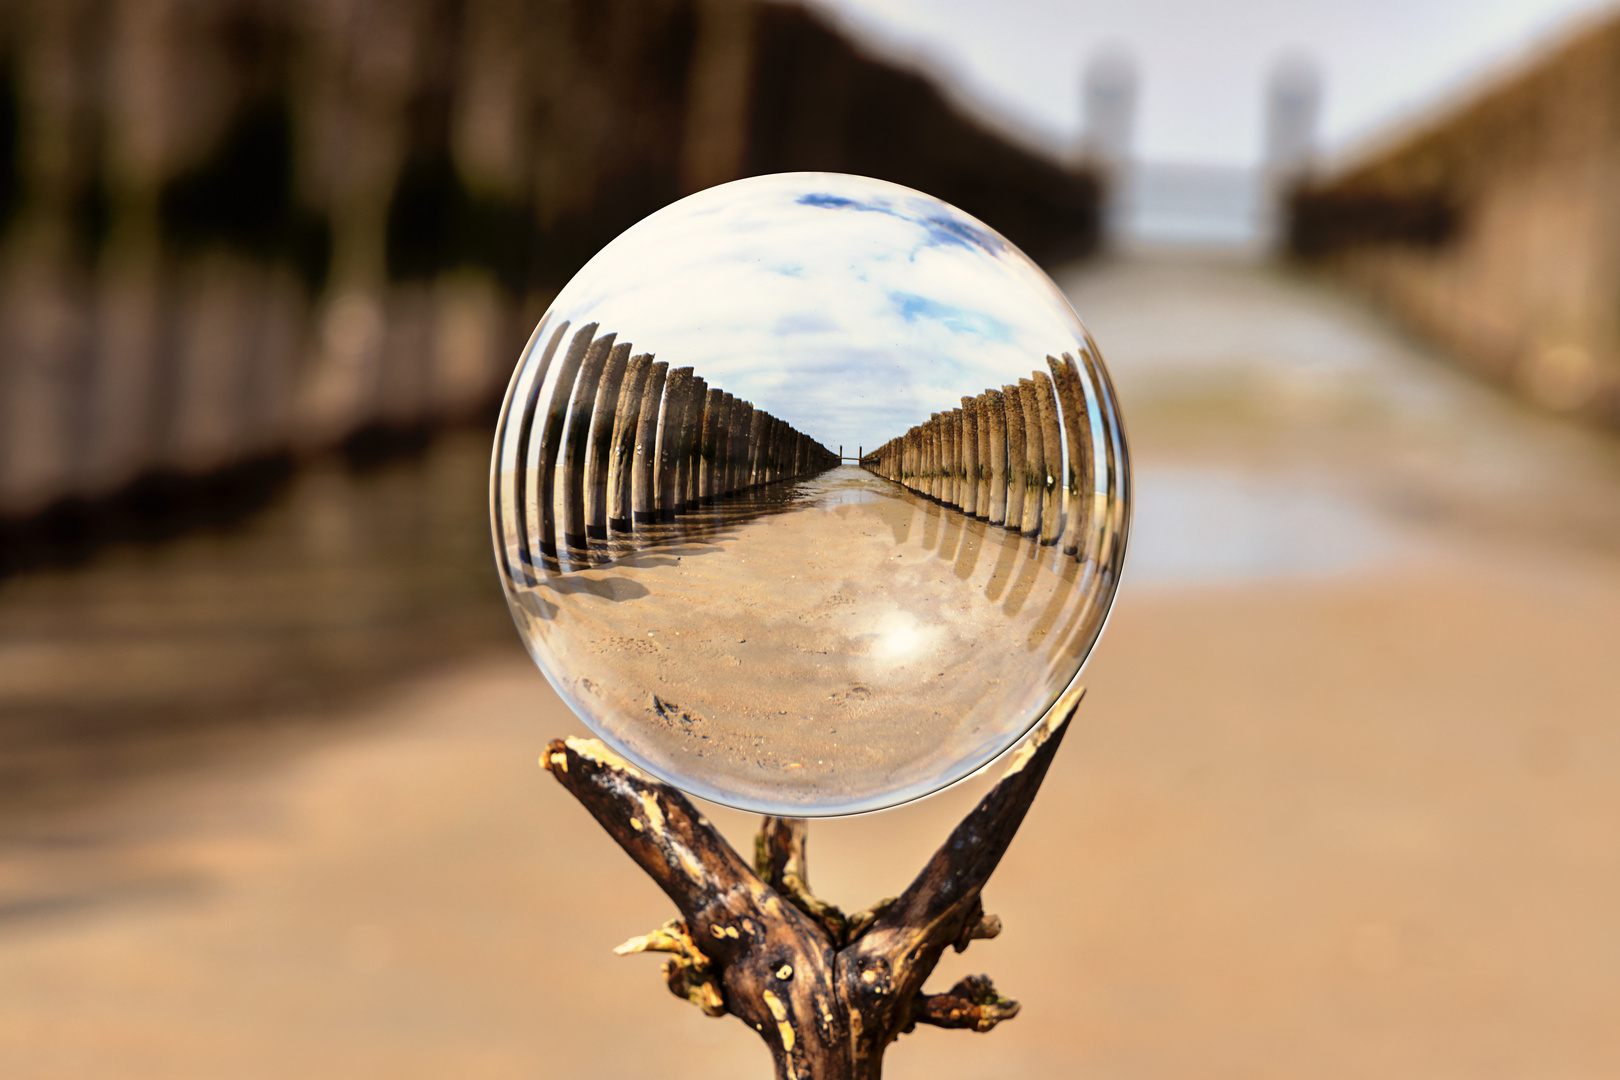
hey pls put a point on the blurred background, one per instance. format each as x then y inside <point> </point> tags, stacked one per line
<point>1343,798</point>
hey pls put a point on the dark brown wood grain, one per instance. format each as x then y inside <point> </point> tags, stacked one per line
<point>828,992</point>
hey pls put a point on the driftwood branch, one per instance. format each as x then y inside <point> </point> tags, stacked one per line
<point>828,992</point>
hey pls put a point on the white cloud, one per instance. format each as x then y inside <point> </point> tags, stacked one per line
<point>850,308</point>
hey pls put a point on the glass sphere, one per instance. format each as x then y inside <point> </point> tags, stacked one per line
<point>810,494</point>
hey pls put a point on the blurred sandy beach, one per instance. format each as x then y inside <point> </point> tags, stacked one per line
<point>1340,801</point>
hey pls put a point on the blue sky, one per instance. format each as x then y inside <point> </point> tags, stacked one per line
<point>1203,62</point>
<point>849,307</point>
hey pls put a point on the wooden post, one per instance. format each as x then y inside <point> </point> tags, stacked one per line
<point>937,457</point>
<point>722,446</point>
<point>621,455</point>
<point>550,451</point>
<point>1034,458</point>
<point>644,476</point>
<point>710,435</point>
<point>982,496</point>
<point>603,415</point>
<point>677,410</point>
<point>958,458</point>
<point>1099,379</point>
<point>689,449</point>
<point>728,457</point>
<point>577,447</point>
<point>770,454</point>
<point>518,495</point>
<point>742,426</point>
<point>947,483</point>
<point>757,429</point>
<point>925,457</point>
<point>1052,447</point>
<point>1078,478</point>
<point>968,489</point>
<point>993,422</point>
<point>1013,412</point>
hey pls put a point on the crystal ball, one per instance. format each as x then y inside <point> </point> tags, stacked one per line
<point>810,494</point>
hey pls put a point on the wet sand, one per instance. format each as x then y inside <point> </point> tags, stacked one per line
<point>854,645</point>
<point>1340,802</point>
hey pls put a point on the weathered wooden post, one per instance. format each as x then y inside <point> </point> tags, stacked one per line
<point>511,490</point>
<point>1099,379</point>
<point>768,452</point>
<point>726,445</point>
<point>1078,480</point>
<point>514,496</point>
<point>1034,458</point>
<point>958,459</point>
<point>677,407</point>
<point>550,451</point>
<point>937,457</point>
<point>756,445</point>
<point>922,450</point>
<point>1052,452</point>
<point>603,414</point>
<point>968,488</point>
<point>621,455</point>
<point>993,419</point>
<point>576,448</point>
<point>722,440</point>
<point>689,449</point>
<point>1013,418</point>
<point>709,437</point>
<point>644,469</point>
<point>743,440</point>
<point>982,481</point>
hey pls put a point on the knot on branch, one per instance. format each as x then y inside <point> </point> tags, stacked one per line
<point>977,926</point>
<point>972,1003</point>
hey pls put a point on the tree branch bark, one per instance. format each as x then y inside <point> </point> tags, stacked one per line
<point>828,992</point>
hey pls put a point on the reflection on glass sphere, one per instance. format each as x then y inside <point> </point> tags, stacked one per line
<point>810,494</point>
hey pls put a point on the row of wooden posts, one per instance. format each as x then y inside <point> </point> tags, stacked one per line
<point>637,443</point>
<point>1000,457</point>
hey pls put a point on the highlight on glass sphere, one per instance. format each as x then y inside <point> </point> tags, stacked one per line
<point>810,494</point>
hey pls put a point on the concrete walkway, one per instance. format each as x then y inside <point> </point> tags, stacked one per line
<point>1341,802</point>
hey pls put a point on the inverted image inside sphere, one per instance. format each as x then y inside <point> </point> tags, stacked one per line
<point>810,494</point>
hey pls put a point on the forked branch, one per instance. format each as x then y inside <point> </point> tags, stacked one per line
<point>827,992</point>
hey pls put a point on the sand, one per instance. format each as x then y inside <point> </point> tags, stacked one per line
<point>835,645</point>
<point>1340,802</point>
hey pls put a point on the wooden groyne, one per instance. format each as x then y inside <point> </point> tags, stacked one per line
<point>1001,457</point>
<point>1490,226</point>
<point>236,232</point>
<point>619,446</point>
